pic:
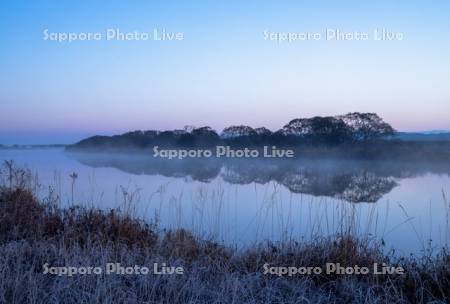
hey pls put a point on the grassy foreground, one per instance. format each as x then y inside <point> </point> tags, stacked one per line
<point>33,233</point>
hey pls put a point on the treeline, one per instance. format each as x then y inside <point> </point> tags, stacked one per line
<point>332,130</point>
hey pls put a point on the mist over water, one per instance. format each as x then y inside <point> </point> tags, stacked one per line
<point>240,202</point>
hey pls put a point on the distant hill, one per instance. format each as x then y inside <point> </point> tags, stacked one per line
<point>48,146</point>
<point>423,136</point>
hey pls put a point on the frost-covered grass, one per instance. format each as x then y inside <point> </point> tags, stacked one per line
<point>34,232</point>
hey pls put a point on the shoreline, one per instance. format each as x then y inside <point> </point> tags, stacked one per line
<point>35,233</point>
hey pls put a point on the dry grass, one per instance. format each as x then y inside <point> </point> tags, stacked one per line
<point>33,233</point>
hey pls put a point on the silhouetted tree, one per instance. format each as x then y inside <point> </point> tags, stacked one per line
<point>367,126</point>
<point>329,130</point>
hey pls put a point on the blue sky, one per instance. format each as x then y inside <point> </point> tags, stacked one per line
<point>223,72</point>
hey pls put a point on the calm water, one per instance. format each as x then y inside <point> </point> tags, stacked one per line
<point>240,202</point>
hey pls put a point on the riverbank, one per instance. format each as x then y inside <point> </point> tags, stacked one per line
<point>38,236</point>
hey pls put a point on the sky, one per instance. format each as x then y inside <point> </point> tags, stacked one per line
<point>224,71</point>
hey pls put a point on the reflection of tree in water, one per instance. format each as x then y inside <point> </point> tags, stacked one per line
<point>356,186</point>
<point>367,187</point>
<point>139,164</point>
<point>346,180</point>
<point>242,173</point>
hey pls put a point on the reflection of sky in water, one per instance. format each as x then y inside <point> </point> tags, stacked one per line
<point>244,213</point>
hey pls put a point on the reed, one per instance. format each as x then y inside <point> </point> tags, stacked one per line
<point>34,232</point>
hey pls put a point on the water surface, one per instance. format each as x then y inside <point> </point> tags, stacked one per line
<point>240,202</point>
